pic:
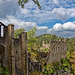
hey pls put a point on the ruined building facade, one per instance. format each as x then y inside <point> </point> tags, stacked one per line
<point>13,52</point>
<point>57,51</point>
<point>45,45</point>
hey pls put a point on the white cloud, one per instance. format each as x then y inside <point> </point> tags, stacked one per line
<point>30,16</point>
<point>63,30</point>
<point>8,8</point>
<point>5,0</point>
<point>63,13</point>
<point>31,13</point>
<point>56,1</point>
<point>24,11</point>
<point>43,16</point>
<point>27,25</point>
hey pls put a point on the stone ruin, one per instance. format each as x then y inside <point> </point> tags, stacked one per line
<point>57,51</point>
<point>45,45</point>
<point>13,52</point>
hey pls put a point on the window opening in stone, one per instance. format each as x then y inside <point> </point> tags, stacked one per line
<point>16,52</point>
<point>2,27</point>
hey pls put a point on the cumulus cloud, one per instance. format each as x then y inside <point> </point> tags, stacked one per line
<point>63,30</point>
<point>8,7</point>
<point>5,0</point>
<point>34,15</point>
<point>27,25</point>
<point>30,16</point>
<point>31,13</point>
<point>42,30</point>
<point>47,12</point>
<point>56,1</point>
<point>63,13</point>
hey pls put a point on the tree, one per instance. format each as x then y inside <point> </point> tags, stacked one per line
<point>18,32</point>
<point>71,54</point>
<point>31,38</point>
<point>72,60</point>
<point>72,46</point>
<point>31,33</point>
<point>22,2</point>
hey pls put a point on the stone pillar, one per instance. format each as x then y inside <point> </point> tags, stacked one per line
<point>11,31</point>
<point>24,52</point>
<point>10,35</point>
<point>13,58</point>
<point>6,41</point>
<point>5,31</point>
<point>19,52</point>
<point>0,30</point>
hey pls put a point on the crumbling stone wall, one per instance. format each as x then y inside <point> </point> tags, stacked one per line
<point>56,51</point>
<point>15,50</point>
<point>45,45</point>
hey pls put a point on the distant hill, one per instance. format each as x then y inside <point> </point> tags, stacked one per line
<point>47,38</point>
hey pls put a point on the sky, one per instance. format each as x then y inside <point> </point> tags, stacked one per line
<point>55,17</point>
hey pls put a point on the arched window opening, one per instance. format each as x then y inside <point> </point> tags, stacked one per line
<point>2,31</point>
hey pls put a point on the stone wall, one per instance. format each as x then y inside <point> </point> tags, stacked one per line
<point>56,51</point>
<point>15,50</point>
<point>45,45</point>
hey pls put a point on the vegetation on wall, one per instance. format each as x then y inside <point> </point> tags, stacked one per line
<point>4,71</point>
<point>34,44</point>
<point>57,66</point>
<point>18,32</point>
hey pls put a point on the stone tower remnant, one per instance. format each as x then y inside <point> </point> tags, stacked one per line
<point>57,51</point>
<point>13,51</point>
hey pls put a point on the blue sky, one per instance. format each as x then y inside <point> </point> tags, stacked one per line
<point>55,17</point>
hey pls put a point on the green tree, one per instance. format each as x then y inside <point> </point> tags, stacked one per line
<point>72,61</point>
<point>72,46</point>
<point>46,38</point>
<point>22,2</point>
<point>18,32</point>
<point>31,37</point>
<point>70,53</point>
<point>31,33</point>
